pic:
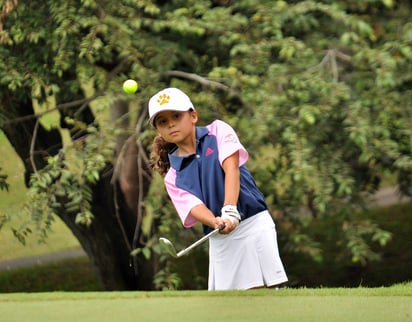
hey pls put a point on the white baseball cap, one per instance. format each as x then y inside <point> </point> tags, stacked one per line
<point>168,99</point>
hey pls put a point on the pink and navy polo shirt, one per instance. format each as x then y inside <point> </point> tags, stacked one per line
<point>199,178</point>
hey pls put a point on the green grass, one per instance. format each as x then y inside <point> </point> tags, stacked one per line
<point>360,304</point>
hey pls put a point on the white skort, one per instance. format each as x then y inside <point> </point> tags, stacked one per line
<point>246,258</point>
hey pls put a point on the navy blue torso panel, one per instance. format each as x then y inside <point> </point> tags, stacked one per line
<point>201,174</point>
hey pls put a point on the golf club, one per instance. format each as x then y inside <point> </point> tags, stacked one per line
<point>170,248</point>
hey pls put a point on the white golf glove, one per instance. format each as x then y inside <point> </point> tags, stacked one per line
<point>231,213</point>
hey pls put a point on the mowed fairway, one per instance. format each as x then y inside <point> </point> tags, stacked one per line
<point>360,304</point>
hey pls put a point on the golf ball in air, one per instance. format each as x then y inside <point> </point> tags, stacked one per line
<point>130,86</point>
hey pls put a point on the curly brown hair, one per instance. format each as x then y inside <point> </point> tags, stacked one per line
<point>159,156</point>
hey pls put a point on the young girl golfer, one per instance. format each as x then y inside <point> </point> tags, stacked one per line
<point>207,180</point>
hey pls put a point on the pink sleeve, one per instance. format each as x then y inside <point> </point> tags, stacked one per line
<point>227,141</point>
<point>183,201</point>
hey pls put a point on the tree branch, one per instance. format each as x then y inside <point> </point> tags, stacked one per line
<point>330,58</point>
<point>209,83</point>
<point>59,107</point>
<point>82,102</point>
<point>199,79</point>
<point>32,145</point>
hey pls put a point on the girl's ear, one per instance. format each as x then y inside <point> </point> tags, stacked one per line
<point>194,116</point>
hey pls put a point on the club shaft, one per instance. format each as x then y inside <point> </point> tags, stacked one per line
<point>201,240</point>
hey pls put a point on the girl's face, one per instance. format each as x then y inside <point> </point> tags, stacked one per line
<point>176,127</point>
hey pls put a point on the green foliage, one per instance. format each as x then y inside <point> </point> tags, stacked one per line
<point>3,186</point>
<point>358,233</point>
<point>188,272</point>
<point>3,220</point>
<point>364,249</point>
<point>167,280</point>
<point>65,184</point>
<point>3,182</point>
<point>75,275</point>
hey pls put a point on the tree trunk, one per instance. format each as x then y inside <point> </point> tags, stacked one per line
<point>107,246</point>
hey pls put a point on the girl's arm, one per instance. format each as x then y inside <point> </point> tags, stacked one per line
<point>230,213</point>
<point>232,179</point>
<point>202,214</point>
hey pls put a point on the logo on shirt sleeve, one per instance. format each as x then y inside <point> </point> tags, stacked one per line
<point>230,138</point>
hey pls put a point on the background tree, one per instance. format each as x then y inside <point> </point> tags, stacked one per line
<point>319,92</point>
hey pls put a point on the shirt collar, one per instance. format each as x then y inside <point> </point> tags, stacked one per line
<point>176,161</point>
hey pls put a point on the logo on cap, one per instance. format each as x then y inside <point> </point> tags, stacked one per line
<point>163,99</point>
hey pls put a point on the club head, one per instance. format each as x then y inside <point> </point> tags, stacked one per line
<point>168,246</point>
